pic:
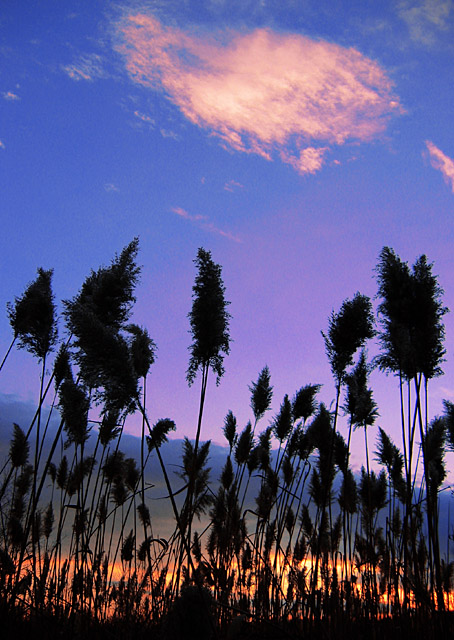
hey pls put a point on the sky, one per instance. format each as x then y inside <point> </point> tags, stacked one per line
<point>292,139</point>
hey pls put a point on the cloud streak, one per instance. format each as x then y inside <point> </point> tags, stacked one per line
<point>204,222</point>
<point>263,92</point>
<point>233,185</point>
<point>87,68</point>
<point>442,162</point>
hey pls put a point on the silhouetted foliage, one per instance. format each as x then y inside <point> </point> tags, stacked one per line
<point>291,539</point>
<point>32,316</point>
<point>347,332</point>
<point>261,394</point>
<point>410,313</point>
<point>303,403</point>
<point>209,319</point>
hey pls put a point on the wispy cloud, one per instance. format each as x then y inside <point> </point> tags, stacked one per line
<point>109,186</point>
<point>263,92</point>
<point>9,95</point>
<point>86,67</point>
<point>233,185</point>
<point>204,222</point>
<point>442,162</point>
<point>144,117</point>
<point>167,133</point>
<point>2,145</point>
<point>426,19</point>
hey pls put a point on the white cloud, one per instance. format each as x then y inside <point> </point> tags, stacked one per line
<point>2,145</point>
<point>442,162</point>
<point>263,92</point>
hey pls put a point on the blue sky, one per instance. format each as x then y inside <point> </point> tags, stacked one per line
<point>293,140</point>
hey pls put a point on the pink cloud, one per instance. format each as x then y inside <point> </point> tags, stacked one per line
<point>144,117</point>
<point>185,214</point>
<point>232,185</point>
<point>9,95</point>
<point>204,223</point>
<point>86,68</point>
<point>263,92</point>
<point>442,162</point>
<point>2,145</point>
<point>310,159</point>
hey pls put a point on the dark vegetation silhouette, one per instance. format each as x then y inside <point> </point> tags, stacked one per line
<point>291,542</point>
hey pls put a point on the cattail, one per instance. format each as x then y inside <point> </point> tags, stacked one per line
<point>306,522</point>
<point>253,461</point>
<point>7,566</point>
<point>229,430</point>
<point>62,367</point>
<point>37,529</point>
<point>78,473</point>
<point>287,470</point>
<point>127,549</point>
<point>48,522</point>
<point>109,429</point>
<point>244,445</point>
<point>132,474</point>
<point>80,522</point>
<point>227,474</point>
<point>32,316</point>
<point>15,531</point>
<point>62,473</point>
<point>283,422</point>
<point>24,480</point>
<point>290,520</point>
<point>52,471</point>
<point>261,394</point>
<point>264,445</point>
<point>142,349</point>
<point>348,495</point>
<point>118,492</point>
<point>102,510</point>
<point>114,466</point>
<point>209,319</point>
<point>144,514</point>
<point>303,403</point>
<point>18,506</point>
<point>74,405</point>
<point>143,549</point>
<point>159,433</point>
<point>20,448</point>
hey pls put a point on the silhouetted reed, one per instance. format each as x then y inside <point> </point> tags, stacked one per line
<point>291,539</point>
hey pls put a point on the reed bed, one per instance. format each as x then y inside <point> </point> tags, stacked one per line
<point>287,542</point>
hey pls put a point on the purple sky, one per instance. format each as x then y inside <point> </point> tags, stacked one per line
<point>294,143</point>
